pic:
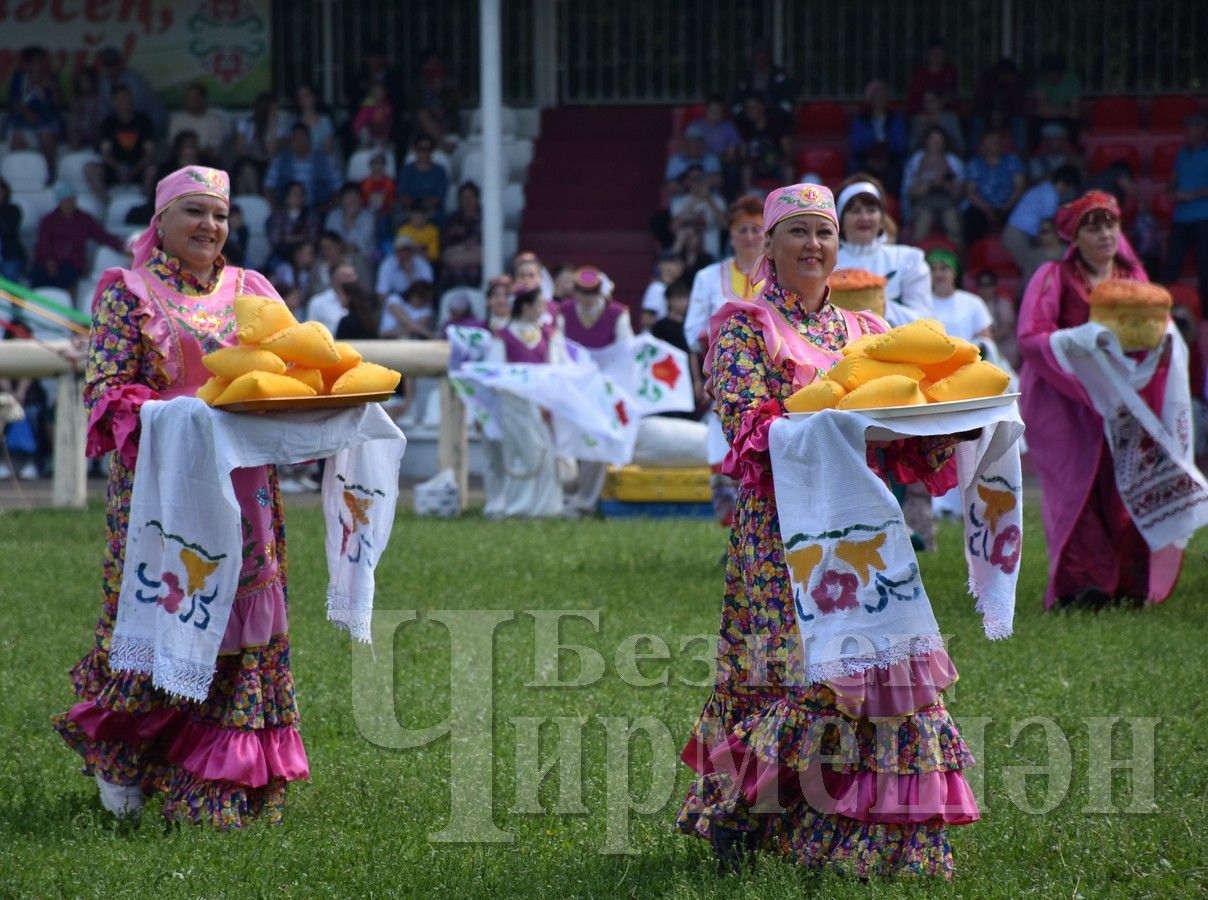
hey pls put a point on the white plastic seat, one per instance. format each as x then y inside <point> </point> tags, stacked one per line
<point>511,242</point>
<point>509,121</point>
<point>91,204</point>
<point>108,258</point>
<point>513,204</point>
<point>255,209</point>
<point>46,330</point>
<point>518,154</point>
<point>72,168</point>
<point>25,170</point>
<point>528,120</point>
<point>119,206</point>
<point>472,168</point>
<point>478,304</point>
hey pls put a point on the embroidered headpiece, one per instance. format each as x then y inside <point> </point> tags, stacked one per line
<point>799,200</point>
<point>1070,216</point>
<point>181,183</point>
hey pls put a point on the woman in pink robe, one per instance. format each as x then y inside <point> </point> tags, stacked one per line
<point>1096,554</point>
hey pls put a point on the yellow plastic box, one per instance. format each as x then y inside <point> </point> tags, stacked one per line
<point>638,484</point>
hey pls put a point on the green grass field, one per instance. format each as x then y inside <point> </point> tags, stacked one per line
<point>363,825</point>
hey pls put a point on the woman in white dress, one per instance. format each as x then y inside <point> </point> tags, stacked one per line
<point>867,236</point>
<point>529,485</point>
<point>712,287</point>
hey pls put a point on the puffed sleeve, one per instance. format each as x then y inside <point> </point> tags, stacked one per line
<point>1038,314</point>
<point>113,391</point>
<point>739,382</point>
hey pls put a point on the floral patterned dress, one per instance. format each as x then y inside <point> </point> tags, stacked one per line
<point>757,742</point>
<point>228,758</point>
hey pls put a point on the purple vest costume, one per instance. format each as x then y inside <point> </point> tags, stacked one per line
<point>600,334</point>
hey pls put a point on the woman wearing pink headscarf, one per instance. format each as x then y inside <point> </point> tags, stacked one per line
<point>759,735</point>
<point>229,758</point>
<point>1096,554</point>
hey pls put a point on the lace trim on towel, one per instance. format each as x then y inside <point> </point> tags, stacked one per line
<point>883,658</point>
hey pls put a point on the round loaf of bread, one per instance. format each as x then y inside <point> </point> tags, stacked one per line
<point>1135,311</point>
<point>857,290</point>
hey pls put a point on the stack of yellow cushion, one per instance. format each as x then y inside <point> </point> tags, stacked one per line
<point>910,365</point>
<point>279,357</point>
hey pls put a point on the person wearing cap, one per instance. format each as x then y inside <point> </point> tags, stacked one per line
<point>401,269</point>
<point>594,321</point>
<point>1189,191</point>
<point>226,760</point>
<point>712,287</point>
<point>61,252</point>
<point>763,350</point>
<point>867,241</point>
<point>1097,556</point>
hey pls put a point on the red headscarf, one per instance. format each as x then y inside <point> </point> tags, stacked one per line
<point>1069,217</point>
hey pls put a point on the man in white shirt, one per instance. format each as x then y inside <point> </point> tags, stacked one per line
<point>197,116</point>
<point>329,306</point>
<point>398,272</point>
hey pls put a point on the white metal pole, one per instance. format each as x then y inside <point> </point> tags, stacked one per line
<point>491,98</point>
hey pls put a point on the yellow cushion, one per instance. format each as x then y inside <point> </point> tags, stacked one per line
<point>307,344</point>
<point>923,341</point>
<point>212,389</point>
<point>853,371</point>
<point>263,386</point>
<point>366,378</point>
<point>260,317</point>
<point>859,347</point>
<point>231,362</point>
<point>311,377</point>
<point>965,354</point>
<point>890,390</point>
<point>821,394</point>
<point>977,379</point>
<point>349,357</point>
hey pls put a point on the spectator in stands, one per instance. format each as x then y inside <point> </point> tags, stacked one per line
<point>373,123</point>
<point>35,105</point>
<point>937,74</point>
<point>61,255</point>
<point>668,269</point>
<point>114,72</point>
<point>423,182</point>
<point>309,110</point>
<point>127,142</point>
<point>12,251</point>
<point>298,270</point>
<point>377,188</point>
<point>333,253</point>
<point>331,304</point>
<point>410,316</point>
<point>1023,233</point>
<point>994,183</point>
<point>878,137</point>
<point>234,251</point>
<point>401,269</point>
<point>670,326</point>
<point>1002,308</point>
<point>293,222</point>
<point>564,281</point>
<point>259,134</point>
<point>722,139</point>
<point>769,82</point>
<point>1000,103</point>
<point>461,258</point>
<point>362,319</point>
<point>185,151</point>
<point>85,113</point>
<point>700,205</point>
<point>300,162</point>
<point>354,223</point>
<point>693,155</point>
<point>1053,150</point>
<point>767,142</point>
<point>420,229</point>
<point>1057,97</point>
<point>1116,178</point>
<point>499,302</point>
<point>374,68</point>
<point>933,115</point>
<point>689,244</point>
<point>932,187</point>
<point>1189,191</point>
<point>198,116</point>
<point>434,101</point>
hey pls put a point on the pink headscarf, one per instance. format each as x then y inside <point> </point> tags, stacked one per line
<point>181,183</point>
<point>787,203</point>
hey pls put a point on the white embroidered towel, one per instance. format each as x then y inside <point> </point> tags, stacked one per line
<point>182,491</point>
<point>857,590</point>
<point>1154,461</point>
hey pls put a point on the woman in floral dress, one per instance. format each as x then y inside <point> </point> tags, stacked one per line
<point>228,758</point>
<point>880,803</point>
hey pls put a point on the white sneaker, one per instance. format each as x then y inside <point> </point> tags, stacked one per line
<point>29,472</point>
<point>120,799</point>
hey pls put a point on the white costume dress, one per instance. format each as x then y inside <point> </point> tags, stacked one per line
<point>908,287</point>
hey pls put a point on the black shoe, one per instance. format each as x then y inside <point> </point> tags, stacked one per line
<point>734,849</point>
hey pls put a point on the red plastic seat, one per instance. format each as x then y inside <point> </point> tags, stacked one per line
<point>1168,112</point>
<point>1106,154</point>
<point>822,118</point>
<point>989,253</point>
<point>827,162</point>
<point>1163,208</point>
<point>1186,295</point>
<point>1115,115</point>
<point>683,116</point>
<point>936,242</point>
<point>1163,159</point>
